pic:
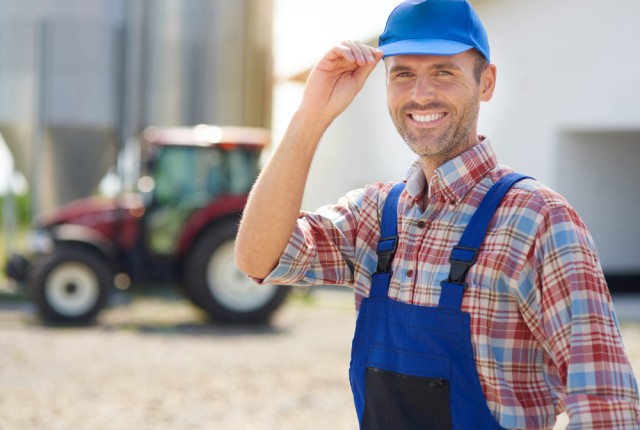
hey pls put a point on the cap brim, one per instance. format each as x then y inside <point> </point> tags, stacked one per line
<point>424,47</point>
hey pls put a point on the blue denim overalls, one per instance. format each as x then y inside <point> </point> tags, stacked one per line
<point>412,367</point>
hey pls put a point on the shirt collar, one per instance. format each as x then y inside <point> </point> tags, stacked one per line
<point>454,179</point>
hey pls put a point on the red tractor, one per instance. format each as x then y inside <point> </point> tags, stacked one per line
<point>179,227</point>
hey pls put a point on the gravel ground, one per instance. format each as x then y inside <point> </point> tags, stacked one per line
<point>154,362</point>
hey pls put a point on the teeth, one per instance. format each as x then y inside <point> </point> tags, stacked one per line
<point>427,118</point>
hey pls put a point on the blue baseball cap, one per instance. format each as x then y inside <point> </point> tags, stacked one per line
<point>433,27</point>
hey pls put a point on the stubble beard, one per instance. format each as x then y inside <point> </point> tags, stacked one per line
<point>439,145</point>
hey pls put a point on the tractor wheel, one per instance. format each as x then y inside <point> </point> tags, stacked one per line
<point>215,284</point>
<point>70,285</point>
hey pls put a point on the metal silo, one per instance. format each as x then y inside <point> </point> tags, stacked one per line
<point>79,80</point>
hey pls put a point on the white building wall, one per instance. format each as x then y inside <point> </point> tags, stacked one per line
<point>565,111</point>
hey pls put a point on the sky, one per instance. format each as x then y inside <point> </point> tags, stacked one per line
<point>303,31</point>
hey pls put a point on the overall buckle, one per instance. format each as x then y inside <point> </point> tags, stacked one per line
<point>387,247</point>
<point>462,258</point>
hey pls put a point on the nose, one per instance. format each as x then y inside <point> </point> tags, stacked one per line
<point>423,90</point>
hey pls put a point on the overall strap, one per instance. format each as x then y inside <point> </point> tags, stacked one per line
<point>465,253</point>
<point>388,243</point>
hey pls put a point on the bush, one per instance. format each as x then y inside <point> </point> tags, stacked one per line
<point>21,204</point>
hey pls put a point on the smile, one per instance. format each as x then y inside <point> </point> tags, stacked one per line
<point>427,118</point>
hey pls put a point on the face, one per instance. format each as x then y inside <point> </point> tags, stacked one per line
<point>434,102</point>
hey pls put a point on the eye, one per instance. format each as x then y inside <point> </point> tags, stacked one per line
<point>404,75</point>
<point>443,73</point>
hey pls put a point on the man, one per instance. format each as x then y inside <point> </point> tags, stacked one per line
<point>520,332</point>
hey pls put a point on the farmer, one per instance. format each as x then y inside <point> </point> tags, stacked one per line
<point>481,301</point>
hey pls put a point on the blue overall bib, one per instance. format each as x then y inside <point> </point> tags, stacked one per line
<point>412,367</point>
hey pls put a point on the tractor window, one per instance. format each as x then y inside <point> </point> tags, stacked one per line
<point>198,175</point>
<point>189,178</point>
<point>242,171</point>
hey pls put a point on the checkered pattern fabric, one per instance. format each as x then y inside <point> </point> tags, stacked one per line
<point>544,331</point>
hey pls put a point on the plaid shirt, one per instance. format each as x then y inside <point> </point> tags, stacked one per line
<point>544,331</point>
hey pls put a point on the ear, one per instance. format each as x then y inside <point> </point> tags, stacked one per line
<point>488,83</point>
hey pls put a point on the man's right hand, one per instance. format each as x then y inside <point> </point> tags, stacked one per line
<point>337,78</point>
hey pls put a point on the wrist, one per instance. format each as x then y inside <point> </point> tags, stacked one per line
<point>312,123</point>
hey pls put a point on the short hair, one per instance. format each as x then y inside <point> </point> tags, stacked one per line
<point>480,64</point>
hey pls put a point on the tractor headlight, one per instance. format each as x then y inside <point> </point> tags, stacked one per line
<point>40,241</point>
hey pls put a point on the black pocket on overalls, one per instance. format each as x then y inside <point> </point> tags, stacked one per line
<point>406,390</point>
<point>397,401</point>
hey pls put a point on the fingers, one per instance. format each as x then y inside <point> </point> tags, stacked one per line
<point>337,78</point>
<point>357,52</point>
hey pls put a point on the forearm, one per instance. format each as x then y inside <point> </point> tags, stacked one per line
<point>274,203</point>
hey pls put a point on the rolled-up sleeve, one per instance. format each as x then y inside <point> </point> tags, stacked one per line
<point>322,247</point>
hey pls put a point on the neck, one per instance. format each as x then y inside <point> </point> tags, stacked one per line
<point>431,163</point>
<point>429,168</point>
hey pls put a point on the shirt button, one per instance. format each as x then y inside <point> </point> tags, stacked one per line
<point>421,224</point>
<point>410,273</point>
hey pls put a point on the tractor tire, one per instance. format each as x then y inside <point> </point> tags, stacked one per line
<point>70,285</point>
<point>215,284</point>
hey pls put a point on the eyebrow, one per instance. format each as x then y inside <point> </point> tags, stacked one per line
<point>450,65</point>
<point>399,68</point>
<point>447,65</point>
